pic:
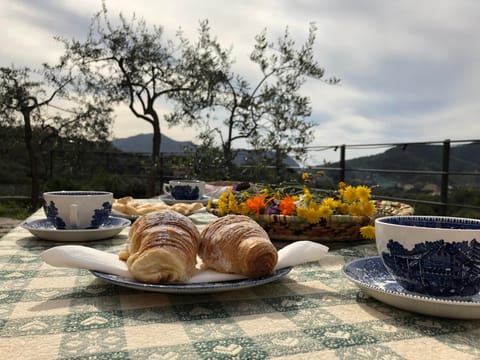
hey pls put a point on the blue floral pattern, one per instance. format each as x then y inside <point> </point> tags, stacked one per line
<point>437,267</point>
<point>185,192</point>
<point>52,214</point>
<point>98,218</point>
<point>101,215</point>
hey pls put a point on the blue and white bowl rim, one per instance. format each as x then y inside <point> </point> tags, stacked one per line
<point>406,221</point>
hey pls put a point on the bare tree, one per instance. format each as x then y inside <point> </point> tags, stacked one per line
<point>27,98</point>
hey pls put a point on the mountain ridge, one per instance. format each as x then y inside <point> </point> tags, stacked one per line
<point>414,157</point>
<point>418,157</point>
<point>142,143</point>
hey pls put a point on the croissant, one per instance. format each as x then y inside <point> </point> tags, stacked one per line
<point>162,247</point>
<point>237,244</point>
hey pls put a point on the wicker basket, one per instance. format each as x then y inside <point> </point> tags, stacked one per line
<point>334,228</point>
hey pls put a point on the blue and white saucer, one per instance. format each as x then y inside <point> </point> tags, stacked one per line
<point>44,229</point>
<point>169,200</point>
<point>195,288</point>
<point>370,275</point>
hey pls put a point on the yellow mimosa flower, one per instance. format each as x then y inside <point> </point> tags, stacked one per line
<point>307,195</point>
<point>243,209</point>
<point>312,215</point>
<point>342,208</point>
<point>330,202</point>
<point>368,208</point>
<point>349,194</point>
<point>222,204</point>
<point>363,192</point>
<point>368,232</point>
<point>355,209</point>
<point>324,211</point>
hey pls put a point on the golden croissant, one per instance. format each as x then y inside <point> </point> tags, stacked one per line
<point>162,247</point>
<point>237,244</point>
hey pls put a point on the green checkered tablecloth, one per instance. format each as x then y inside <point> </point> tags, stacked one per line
<point>312,313</point>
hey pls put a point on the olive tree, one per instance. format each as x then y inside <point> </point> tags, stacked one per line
<point>132,63</point>
<point>28,99</point>
<point>270,114</point>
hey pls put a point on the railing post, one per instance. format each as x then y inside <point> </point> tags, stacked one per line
<point>161,171</point>
<point>444,181</point>
<point>342,163</point>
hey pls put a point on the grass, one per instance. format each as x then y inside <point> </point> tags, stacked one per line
<point>15,209</point>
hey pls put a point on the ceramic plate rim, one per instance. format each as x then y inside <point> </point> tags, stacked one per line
<point>465,309</point>
<point>75,234</point>
<point>121,215</point>
<point>407,293</point>
<point>195,288</point>
<point>167,199</point>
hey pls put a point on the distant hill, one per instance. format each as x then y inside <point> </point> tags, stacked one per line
<point>417,157</point>
<point>142,143</point>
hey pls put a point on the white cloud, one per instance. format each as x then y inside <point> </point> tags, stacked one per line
<point>409,68</point>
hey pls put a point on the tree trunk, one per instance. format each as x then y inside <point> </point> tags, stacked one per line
<point>227,160</point>
<point>279,166</point>
<point>155,161</point>
<point>33,161</point>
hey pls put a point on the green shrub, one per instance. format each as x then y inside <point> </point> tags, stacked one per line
<point>15,209</point>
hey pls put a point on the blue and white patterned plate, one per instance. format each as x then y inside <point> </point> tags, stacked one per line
<point>370,275</point>
<point>169,200</point>
<point>197,288</point>
<point>44,229</point>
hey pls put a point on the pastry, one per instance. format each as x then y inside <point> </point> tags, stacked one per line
<point>162,247</point>
<point>237,244</point>
<point>128,206</point>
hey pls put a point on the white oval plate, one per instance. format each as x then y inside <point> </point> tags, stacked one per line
<point>44,229</point>
<point>370,275</point>
<point>197,288</point>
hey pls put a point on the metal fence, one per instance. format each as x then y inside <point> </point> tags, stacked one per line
<point>133,165</point>
<point>444,173</point>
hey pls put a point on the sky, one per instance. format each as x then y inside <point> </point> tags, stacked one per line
<point>409,69</point>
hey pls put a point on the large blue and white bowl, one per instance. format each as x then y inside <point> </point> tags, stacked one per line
<point>431,255</point>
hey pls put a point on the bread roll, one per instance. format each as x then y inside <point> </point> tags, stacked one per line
<point>237,244</point>
<point>162,247</point>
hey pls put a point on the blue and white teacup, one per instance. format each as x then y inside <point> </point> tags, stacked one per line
<point>431,255</point>
<point>77,209</point>
<point>185,189</point>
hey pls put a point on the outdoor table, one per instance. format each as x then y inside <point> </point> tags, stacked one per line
<point>314,312</point>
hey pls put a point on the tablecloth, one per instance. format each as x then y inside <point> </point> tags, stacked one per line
<point>313,312</point>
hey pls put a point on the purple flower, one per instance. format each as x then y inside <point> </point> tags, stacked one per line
<point>272,210</point>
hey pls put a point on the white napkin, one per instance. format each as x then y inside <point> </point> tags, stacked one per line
<point>83,257</point>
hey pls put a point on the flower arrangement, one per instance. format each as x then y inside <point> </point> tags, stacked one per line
<point>304,203</point>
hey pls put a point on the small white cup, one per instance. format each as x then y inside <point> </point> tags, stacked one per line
<point>77,209</point>
<point>185,189</point>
